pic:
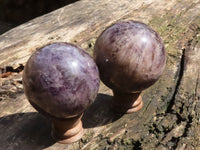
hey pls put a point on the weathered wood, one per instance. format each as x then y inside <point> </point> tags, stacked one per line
<point>170,116</point>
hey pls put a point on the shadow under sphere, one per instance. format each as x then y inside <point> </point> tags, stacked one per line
<point>25,131</point>
<point>32,131</point>
<point>100,112</point>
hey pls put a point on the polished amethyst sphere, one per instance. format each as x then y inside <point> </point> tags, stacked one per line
<point>61,79</point>
<point>130,56</point>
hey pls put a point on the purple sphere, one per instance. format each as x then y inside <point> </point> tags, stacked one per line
<point>61,79</point>
<point>130,56</point>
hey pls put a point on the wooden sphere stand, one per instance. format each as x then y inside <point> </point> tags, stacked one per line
<point>126,102</point>
<point>67,130</point>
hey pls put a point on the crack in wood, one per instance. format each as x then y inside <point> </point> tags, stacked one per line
<point>197,84</point>
<point>8,70</point>
<point>184,109</point>
<point>180,76</point>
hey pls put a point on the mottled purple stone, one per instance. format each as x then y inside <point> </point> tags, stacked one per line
<point>61,79</point>
<point>130,56</point>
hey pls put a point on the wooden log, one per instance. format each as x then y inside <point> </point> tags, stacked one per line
<point>171,112</point>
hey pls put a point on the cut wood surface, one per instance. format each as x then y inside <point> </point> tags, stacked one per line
<point>170,116</point>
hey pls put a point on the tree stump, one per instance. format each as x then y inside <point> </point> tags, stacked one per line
<point>170,116</point>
